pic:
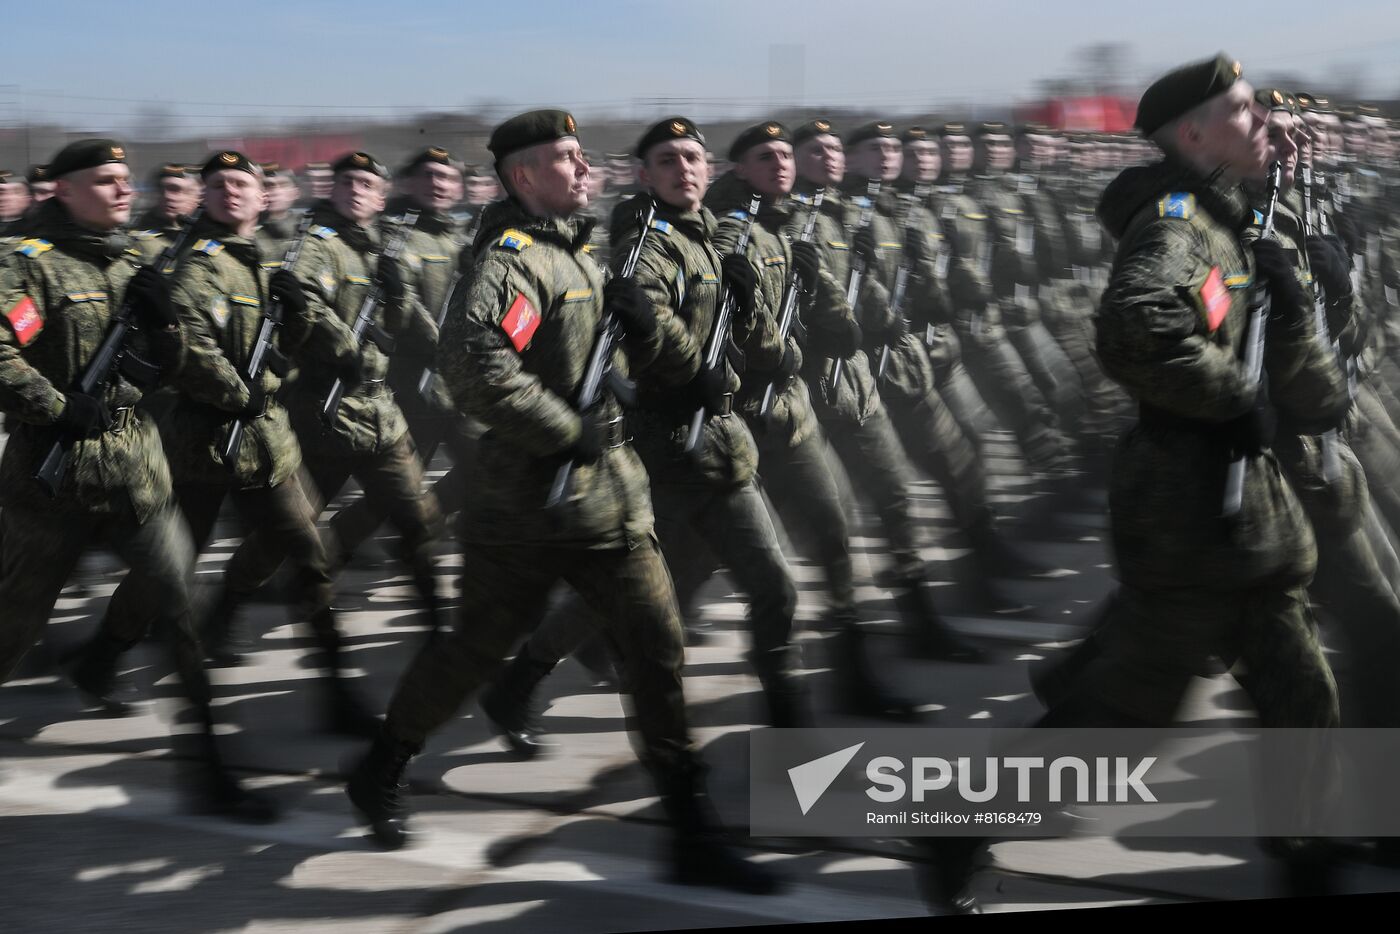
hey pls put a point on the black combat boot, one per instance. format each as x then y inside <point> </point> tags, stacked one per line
<point>929,636</point>
<point>699,856</point>
<point>858,692</point>
<point>225,641</point>
<point>377,788</point>
<point>789,707</point>
<point>995,556</point>
<point>509,705</point>
<point>945,879</point>
<point>93,672</point>
<point>215,792</point>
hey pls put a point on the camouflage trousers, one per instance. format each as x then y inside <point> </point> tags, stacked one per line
<point>391,479</point>
<point>807,495</point>
<point>362,517</point>
<point>939,446</point>
<point>282,517</point>
<point>1067,313</point>
<point>504,592</point>
<point>699,528</point>
<point>41,550</point>
<point>1004,383</point>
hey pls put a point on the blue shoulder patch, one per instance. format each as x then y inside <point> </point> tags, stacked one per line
<point>1179,204</point>
<point>211,247</point>
<point>1259,218</point>
<point>33,247</point>
<point>663,226</point>
<point>739,215</point>
<point>325,233</point>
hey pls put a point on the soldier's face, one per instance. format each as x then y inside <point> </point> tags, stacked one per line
<point>234,198</point>
<point>480,190</point>
<point>178,197</point>
<point>98,198</point>
<point>922,161</point>
<point>358,195</point>
<point>321,183</point>
<point>821,160</point>
<point>14,200</point>
<point>1356,138</point>
<point>282,193</point>
<point>1282,146</point>
<point>958,153</point>
<point>768,168</point>
<point>677,172</point>
<point>435,186</point>
<point>554,180</point>
<point>879,158</point>
<point>41,191</point>
<point>1230,132</point>
<point>997,152</point>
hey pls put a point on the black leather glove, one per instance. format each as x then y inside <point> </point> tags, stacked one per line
<point>1330,265</point>
<point>350,370</point>
<point>788,365</point>
<point>390,276</point>
<point>1273,266</point>
<point>1349,232</point>
<point>740,278</point>
<point>709,388</point>
<point>277,363</point>
<point>589,446</point>
<point>624,298</point>
<point>149,293</point>
<point>1254,431</point>
<point>807,263</point>
<point>285,288</point>
<point>84,415</point>
<point>864,245</point>
<point>837,337</point>
<point>899,327</point>
<point>257,403</point>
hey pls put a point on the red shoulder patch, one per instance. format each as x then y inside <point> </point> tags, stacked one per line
<point>1216,299</point>
<point>520,322</point>
<point>24,318</point>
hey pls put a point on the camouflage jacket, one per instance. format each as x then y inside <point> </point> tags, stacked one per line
<point>336,268</point>
<point>58,292</point>
<point>679,271</point>
<point>969,232</point>
<point>275,235</point>
<point>828,311</point>
<point>431,257</point>
<point>769,251</point>
<point>513,352</point>
<point>151,233</point>
<point>1012,270</point>
<point>220,291</point>
<point>1171,330</point>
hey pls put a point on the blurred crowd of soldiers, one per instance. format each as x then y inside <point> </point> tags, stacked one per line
<point>644,366</point>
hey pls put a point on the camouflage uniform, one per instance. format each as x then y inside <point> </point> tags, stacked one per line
<point>430,254</point>
<point>1195,585</point>
<point>513,351</point>
<point>369,437</point>
<point>710,500</point>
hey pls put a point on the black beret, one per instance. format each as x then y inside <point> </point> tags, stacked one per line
<point>272,169</point>
<point>529,129</point>
<point>227,159</point>
<point>915,134</point>
<point>667,130</point>
<point>992,128</point>
<point>874,130</point>
<point>952,129</point>
<point>85,154</point>
<point>811,130</point>
<point>1184,89</point>
<point>769,131</point>
<point>38,173</point>
<point>434,155</point>
<point>1272,99</point>
<point>172,170</point>
<point>361,162</point>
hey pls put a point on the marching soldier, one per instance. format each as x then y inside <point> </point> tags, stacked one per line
<point>177,195</point>
<point>278,227</point>
<point>61,291</point>
<point>514,350</point>
<point>433,186</point>
<point>1196,584</point>
<point>223,292</point>
<point>365,436</point>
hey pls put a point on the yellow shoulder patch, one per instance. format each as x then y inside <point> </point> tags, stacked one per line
<point>515,240</point>
<point>208,247</point>
<point>33,247</point>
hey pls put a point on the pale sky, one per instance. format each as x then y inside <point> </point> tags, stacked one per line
<point>94,66</point>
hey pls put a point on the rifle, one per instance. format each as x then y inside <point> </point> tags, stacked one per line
<point>425,382</point>
<point>788,316</point>
<point>110,356</point>
<point>1254,349</point>
<point>858,264</point>
<point>719,332</point>
<point>599,369</point>
<point>262,348</point>
<point>901,277</point>
<point>1331,459</point>
<point>365,329</point>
